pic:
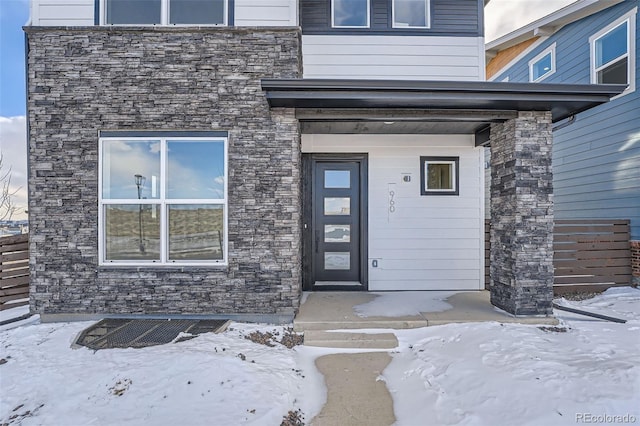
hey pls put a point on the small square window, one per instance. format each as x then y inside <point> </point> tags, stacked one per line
<point>411,13</point>
<point>543,65</point>
<point>350,13</point>
<point>439,175</point>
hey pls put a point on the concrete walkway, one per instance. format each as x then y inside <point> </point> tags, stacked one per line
<point>355,396</point>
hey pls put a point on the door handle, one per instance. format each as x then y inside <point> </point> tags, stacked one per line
<point>317,240</point>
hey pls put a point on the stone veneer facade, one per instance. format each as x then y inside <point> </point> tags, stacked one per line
<point>83,80</point>
<point>522,215</point>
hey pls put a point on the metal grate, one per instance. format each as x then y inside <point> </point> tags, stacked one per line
<point>127,333</point>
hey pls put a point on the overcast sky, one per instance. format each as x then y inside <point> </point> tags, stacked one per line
<point>501,17</point>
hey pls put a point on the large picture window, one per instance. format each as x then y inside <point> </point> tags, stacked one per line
<point>439,176</point>
<point>350,13</point>
<point>613,53</point>
<point>163,198</point>
<point>410,13</point>
<point>165,12</point>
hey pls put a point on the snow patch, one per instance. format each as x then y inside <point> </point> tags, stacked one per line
<point>405,303</point>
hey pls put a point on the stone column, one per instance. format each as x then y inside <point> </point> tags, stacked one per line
<point>635,263</point>
<point>522,214</point>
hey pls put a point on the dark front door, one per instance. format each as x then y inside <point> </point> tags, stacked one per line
<point>336,232</point>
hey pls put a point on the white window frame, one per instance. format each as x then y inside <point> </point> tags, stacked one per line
<point>164,17</point>
<point>551,50</point>
<point>333,15</point>
<point>163,202</point>
<point>427,17</point>
<point>630,20</point>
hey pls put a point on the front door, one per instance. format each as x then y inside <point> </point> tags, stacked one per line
<point>336,234</point>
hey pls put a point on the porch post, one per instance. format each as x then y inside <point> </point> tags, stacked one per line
<point>522,214</point>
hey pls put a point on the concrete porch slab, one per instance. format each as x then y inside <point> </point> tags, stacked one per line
<point>336,310</point>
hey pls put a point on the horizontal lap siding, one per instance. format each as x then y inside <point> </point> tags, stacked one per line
<point>265,13</point>
<point>395,57</point>
<point>596,160</point>
<point>429,242</point>
<point>62,12</point>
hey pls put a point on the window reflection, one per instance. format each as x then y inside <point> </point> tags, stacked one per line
<point>337,233</point>
<point>439,176</point>
<point>410,13</point>
<point>337,260</point>
<point>350,13</point>
<point>337,206</point>
<point>132,232</point>
<point>337,179</point>
<point>122,160</point>
<point>196,12</point>
<point>196,232</point>
<point>195,170</point>
<point>133,12</point>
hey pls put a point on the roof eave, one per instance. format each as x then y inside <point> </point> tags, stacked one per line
<point>563,100</point>
<point>550,24</point>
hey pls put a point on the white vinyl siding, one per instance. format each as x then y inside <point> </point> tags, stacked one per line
<point>427,242</point>
<point>393,57</point>
<point>266,13</point>
<point>62,12</point>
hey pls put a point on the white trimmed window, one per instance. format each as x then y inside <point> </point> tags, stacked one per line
<point>350,13</point>
<point>165,12</point>
<point>613,53</point>
<point>163,198</point>
<point>543,65</point>
<point>410,13</point>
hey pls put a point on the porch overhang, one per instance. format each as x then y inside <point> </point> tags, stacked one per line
<point>425,106</point>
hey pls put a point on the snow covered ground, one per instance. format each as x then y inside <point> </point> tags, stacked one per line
<point>459,374</point>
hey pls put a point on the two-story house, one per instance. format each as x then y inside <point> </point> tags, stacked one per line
<point>596,154</point>
<point>218,157</point>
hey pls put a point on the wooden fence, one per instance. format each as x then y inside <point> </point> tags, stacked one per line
<point>589,255</point>
<point>14,271</point>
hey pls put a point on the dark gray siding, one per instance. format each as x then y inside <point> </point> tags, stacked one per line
<point>462,18</point>
<point>596,160</point>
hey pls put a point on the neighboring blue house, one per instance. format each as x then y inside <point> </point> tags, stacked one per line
<point>596,154</point>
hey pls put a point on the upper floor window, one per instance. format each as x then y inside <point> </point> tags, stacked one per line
<point>410,13</point>
<point>543,65</point>
<point>612,53</point>
<point>165,12</point>
<point>350,13</point>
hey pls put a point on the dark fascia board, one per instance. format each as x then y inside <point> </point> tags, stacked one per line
<point>563,100</point>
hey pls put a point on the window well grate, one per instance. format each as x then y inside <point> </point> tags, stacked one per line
<point>139,333</point>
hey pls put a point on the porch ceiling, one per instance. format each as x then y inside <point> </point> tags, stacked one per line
<point>434,102</point>
<point>396,120</point>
